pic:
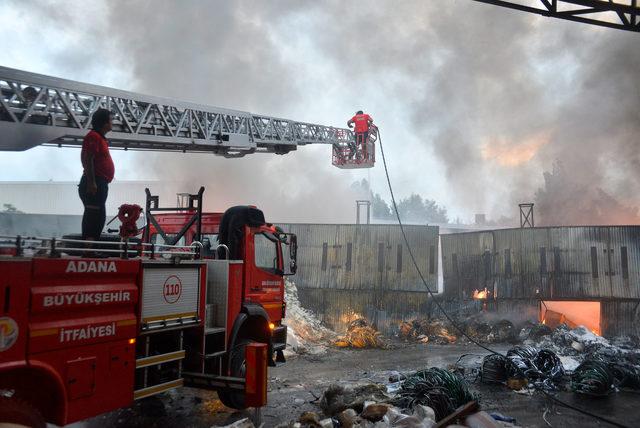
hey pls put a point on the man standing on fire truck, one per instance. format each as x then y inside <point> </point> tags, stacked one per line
<point>98,173</point>
<point>362,122</point>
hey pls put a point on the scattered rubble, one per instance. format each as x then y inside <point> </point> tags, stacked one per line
<point>370,406</point>
<point>337,398</point>
<point>361,335</point>
<point>442,332</point>
<point>582,344</point>
<point>596,366</point>
<point>425,330</point>
<point>305,333</point>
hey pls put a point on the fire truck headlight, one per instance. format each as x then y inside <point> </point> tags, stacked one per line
<point>271,326</point>
<point>132,341</point>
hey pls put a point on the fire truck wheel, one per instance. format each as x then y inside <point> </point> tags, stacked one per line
<point>235,398</point>
<point>19,413</point>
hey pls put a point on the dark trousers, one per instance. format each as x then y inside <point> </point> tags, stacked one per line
<point>360,140</point>
<point>95,213</point>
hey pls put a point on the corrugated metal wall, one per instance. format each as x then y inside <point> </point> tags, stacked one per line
<point>346,268</point>
<point>620,317</point>
<point>385,310</point>
<point>569,263</point>
<point>364,257</point>
<point>600,263</point>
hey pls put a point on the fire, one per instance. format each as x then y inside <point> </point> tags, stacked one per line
<point>349,316</point>
<point>508,153</point>
<point>481,295</point>
<point>571,313</point>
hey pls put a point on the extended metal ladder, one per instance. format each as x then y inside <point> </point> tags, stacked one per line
<point>42,110</point>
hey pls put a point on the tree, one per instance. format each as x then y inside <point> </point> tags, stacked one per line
<point>361,188</point>
<point>415,209</point>
<point>380,209</point>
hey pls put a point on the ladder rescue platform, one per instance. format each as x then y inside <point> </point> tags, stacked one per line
<point>360,152</point>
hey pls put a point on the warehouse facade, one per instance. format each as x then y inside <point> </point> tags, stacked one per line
<point>523,269</point>
<point>347,270</point>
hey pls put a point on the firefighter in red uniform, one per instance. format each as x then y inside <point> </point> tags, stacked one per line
<point>98,173</point>
<point>362,123</point>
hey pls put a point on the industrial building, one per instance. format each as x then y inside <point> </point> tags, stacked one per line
<point>590,274</point>
<point>349,270</point>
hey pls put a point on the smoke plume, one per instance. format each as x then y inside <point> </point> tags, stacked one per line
<point>230,54</point>
<point>475,102</point>
<point>557,205</point>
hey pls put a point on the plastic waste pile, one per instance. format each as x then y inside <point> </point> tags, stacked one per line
<point>306,333</point>
<point>575,359</point>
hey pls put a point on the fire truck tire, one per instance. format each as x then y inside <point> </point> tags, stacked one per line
<point>235,398</point>
<point>20,414</point>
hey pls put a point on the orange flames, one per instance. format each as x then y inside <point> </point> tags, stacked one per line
<point>571,313</point>
<point>509,153</point>
<point>481,295</point>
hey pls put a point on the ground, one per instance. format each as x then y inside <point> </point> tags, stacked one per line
<point>294,387</point>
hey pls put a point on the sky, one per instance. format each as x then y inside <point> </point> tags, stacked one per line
<point>475,103</point>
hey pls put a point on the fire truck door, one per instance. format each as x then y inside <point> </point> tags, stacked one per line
<point>265,285</point>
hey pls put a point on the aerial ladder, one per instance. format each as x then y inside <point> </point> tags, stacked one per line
<point>618,14</point>
<point>40,110</point>
<point>90,326</point>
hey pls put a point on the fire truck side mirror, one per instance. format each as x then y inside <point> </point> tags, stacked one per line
<point>290,262</point>
<point>293,254</point>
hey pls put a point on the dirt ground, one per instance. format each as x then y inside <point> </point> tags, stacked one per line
<point>295,386</point>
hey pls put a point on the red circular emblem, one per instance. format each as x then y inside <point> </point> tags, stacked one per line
<point>8,333</point>
<point>172,289</point>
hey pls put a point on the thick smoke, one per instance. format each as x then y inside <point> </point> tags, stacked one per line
<point>498,96</point>
<point>557,205</point>
<point>475,101</point>
<point>229,54</point>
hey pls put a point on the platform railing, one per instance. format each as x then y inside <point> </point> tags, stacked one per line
<point>54,247</point>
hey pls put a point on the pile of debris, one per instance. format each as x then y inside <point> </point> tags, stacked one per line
<point>491,332</point>
<point>305,333</point>
<point>427,330</point>
<point>576,358</point>
<point>361,335</point>
<point>522,366</point>
<point>372,406</point>
<point>442,332</point>
<point>437,388</point>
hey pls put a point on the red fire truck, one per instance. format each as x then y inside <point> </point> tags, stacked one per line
<point>199,302</point>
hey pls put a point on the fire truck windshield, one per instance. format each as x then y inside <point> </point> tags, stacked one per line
<point>266,252</point>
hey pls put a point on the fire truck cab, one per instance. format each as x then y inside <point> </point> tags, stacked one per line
<point>199,302</point>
